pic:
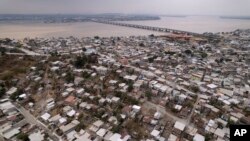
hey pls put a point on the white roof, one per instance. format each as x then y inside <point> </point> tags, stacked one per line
<point>23,96</point>
<point>98,123</point>
<point>198,137</point>
<point>70,135</point>
<point>115,99</point>
<point>219,132</point>
<point>115,137</point>
<point>84,137</point>
<point>101,132</point>
<point>11,90</point>
<point>80,90</point>
<point>211,123</point>
<point>71,113</point>
<point>55,118</point>
<point>155,133</point>
<point>11,133</point>
<point>136,107</point>
<point>157,115</point>
<point>62,120</point>
<point>178,107</point>
<point>212,86</point>
<point>179,125</point>
<point>46,116</point>
<point>172,137</point>
<point>37,136</point>
<point>70,89</point>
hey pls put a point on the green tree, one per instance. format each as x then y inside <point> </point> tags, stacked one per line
<point>16,94</point>
<point>203,55</point>
<point>130,87</point>
<point>23,137</point>
<point>195,89</point>
<point>69,77</point>
<point>97,37</point>
<point>148,95</point>
<point>80,61</point>
<point>2,91</point>
<point>2,50</point>
<point>189,52</point>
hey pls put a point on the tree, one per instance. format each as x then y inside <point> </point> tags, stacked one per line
<point>130,87</point>
<point>84,49</point>
<point>148,95</point>
<point>195,89</point>
<point>189,52</point>
<point>2,50</point>
<point>2,91</point>
<point>80,61</point>
<point>97,37</point>
<point>16,94</point>
<point>141,45</point>
<point>69,77</point>
<point>151,60</point>
<point>23,137</point>
<point>203,55</point>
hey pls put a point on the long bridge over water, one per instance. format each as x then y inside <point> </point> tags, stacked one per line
<point>151,28</point>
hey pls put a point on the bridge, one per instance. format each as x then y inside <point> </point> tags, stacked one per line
<point>151,28</point>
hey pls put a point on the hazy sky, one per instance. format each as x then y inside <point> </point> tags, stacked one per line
<point>168,7</point>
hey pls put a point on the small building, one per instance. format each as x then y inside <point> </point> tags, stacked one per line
<point>178,128</point>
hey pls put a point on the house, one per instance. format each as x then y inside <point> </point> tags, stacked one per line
<point>101,132</point>
<point>198,137</point>
<point>11,91</point>
<point>172,138</point>
<point>220,133</point>
<point>96,125</point>
<point>50,103</point>
<point>136,108</point>
<point>69,127</point>
<point>79,92</point>
<point>70,89</point>
<point>212,86</point>
<point>55,118</point>
<point>78,80</point>
<point>70,100</point>
<point>11,133</point>
<point>115,99</point>
<point>155,134</point>
<point>190,132</point>
<point>178,128</point>
<point>71,135</point>
<point>36,136</point>
<point>112,82</point>
<point>71,113</point>
<point>157,115</point>
<point>45,117</point>
<point>101,70</point>
<point>84,137</point>
<point>117,137</point>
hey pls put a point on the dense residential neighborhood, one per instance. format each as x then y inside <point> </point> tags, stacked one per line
<point>140,88</point>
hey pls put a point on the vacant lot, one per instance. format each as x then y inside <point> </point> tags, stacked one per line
<point>14,66</point>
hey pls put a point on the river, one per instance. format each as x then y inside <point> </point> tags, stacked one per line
<point>197,24</point>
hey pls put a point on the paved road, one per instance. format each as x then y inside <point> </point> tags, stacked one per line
<point>32,120</point>
<point>192,112</point>
<point>26,51</point>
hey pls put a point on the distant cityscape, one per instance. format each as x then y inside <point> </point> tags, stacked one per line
<point>60,18</point>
